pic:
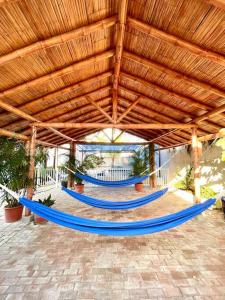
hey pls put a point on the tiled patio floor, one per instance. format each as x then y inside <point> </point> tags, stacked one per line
<point>52,262</point>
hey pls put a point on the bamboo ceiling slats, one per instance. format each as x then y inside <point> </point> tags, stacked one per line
<point>137,61</point>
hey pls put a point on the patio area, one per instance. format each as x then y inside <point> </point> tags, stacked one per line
<point>52,262</point>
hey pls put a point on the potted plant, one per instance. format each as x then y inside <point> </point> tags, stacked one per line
<point>64,183</point>
<point>47,202</point>
<point>91,161</point>
<point>14,165</point>
<point>139,164</point>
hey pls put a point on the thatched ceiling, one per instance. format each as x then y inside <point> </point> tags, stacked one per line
<point>57,57</point>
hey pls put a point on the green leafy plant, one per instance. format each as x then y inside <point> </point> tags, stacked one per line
<point>14,166</point>
<point>90,162</point>
<point>187,184</point>
<point>47,201</point>
<point>139,163</point>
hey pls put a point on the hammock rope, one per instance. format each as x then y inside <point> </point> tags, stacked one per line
<point>118,183</point>
<point>115,205</point>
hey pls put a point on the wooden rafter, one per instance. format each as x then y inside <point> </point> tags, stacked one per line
<point>99,108</point>
<point>175,41</point>
<point>122,15</point>
<point>174,74</point>
<point>66,90</point>
<point>129,108</point>
<point>165,91</point>
<point>161,105</point>
<point>70,69</point>
<point>58,40</point>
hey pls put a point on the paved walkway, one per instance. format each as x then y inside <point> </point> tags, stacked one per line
<point>52,262</point>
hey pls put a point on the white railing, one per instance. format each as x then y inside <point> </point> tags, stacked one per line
<point>51,176</point>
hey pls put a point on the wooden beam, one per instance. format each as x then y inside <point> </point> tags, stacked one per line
<point>48,99</point>
<point>120,126</point>
<point>210,114</point>
<point>58,40</point>
<point>129,109</point>
<point>167,92</point>
<point>71,158</point>
<point>203,138</point>
<point>174,74</point>
<point>196,165</point>
<point>216,3</point>
<point>176,41</point>
<point>18,136</point>
<point>30,189</point>
<point>161,105</point>
<point>99,108</point>
<point>64,71</point>
<point>122,15</point>
<point>25,116</point>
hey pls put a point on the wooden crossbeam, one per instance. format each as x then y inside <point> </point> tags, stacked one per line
<point>120,126</point>
<point>176,41</point>
<point>129,109</point>
<point>122,15</point>
<point>58,40</point>
<point>99,108</point>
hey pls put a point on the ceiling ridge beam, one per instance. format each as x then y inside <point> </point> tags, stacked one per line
<point>64,71</point>
<point>58,39</point>
<point>122,16</point>
<point>176,41</point>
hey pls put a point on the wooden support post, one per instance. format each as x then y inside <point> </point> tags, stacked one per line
<point>196,165</point>
<point>31,173</point>
<point>152,182</point>
<point>56,166</point>
<point>71,166</point>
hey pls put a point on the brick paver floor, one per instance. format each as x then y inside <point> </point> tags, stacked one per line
<point>52,262</point>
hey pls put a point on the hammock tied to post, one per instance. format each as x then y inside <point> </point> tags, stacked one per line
<point>113,228</point>
<point>115,205</point>
<point>117,183</point>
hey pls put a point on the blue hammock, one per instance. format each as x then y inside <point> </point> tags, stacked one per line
<point>120,183</point>
<point>115,205</point>
<point>116,228</point>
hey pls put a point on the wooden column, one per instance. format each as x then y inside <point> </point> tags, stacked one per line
<point>152,165</point>
<point>31,173</point>
<point>71,158</point>
<point>196,166</point>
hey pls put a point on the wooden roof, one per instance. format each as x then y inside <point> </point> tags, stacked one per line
<point>140,61</point>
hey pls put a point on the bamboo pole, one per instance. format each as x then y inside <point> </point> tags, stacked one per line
<point>120,126</point>
<point>152,178</point>
<point>99,108</point>
<point>165,91</point>
<point>174,74</point>
<point>31,173</point>
<point>71,157</point>
<point>176,41</point>
<point>122,15</point>
<point>64,71</point>
<point>129,109</point>
<point>58,40</point>
<point>196,165</point>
